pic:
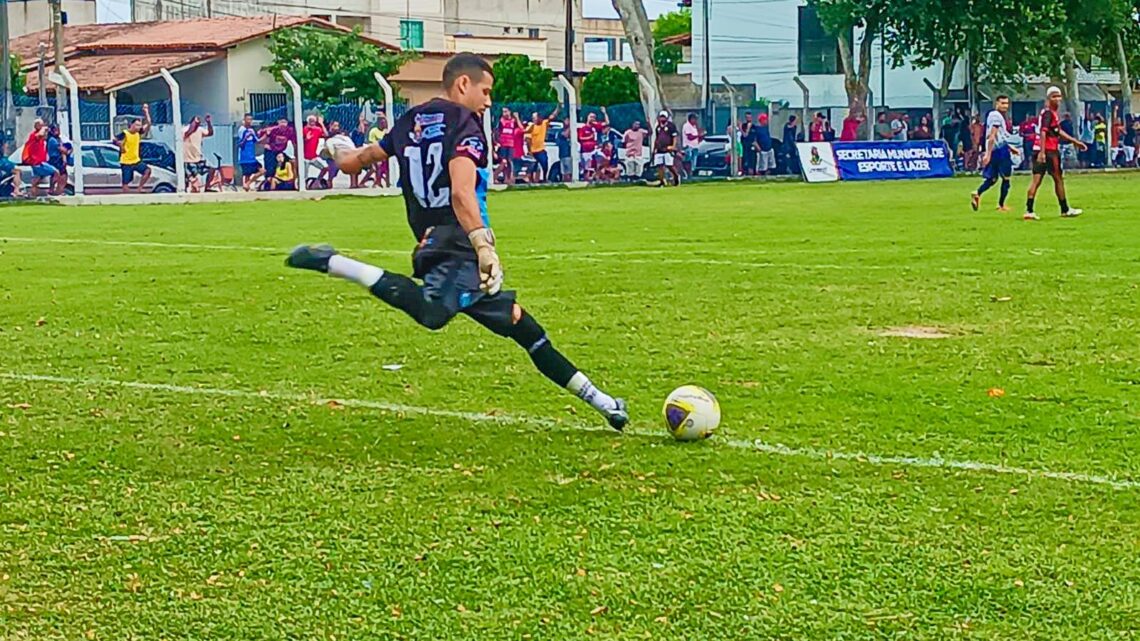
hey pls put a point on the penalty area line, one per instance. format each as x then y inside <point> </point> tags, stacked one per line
<point>774,449</point>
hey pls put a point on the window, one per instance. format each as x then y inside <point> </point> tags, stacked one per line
<point>532,33</point>
<point>598,49</point>
<point>819,51</point>
<point>411,34</point>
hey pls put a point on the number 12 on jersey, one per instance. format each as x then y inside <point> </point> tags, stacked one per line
<point>424,171</point>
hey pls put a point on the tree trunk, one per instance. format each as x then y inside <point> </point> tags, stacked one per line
<point>855,76</point>
<point>1125,79</point>
<point>640,36</point>
<point>1073,103</point>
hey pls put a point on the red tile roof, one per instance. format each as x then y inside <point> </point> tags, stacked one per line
<point>683,39</point>
<point>104,72</point>
<point>212,34</point>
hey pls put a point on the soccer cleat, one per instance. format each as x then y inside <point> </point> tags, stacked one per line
<point>975,200</point>
<point>1030,216</point>
<point>314,257</point>
<point>1003,209</point>
<point>1072,213</point>
<point>618,417</point>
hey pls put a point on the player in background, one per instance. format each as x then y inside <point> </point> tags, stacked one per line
<point>665,149</point>
<point>1047,155</point>
<point>997,162</point>
<point>444,174</point>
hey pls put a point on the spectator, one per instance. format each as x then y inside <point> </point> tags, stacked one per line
<point>606,167</point>
<point>359,138</point>
<point>36,156</point>
<point>763,148</point>
<point>277,140</point>
<point>247,153</point>
<point>284,178</point>
<point>375,135</point>
<point>1134,131</point>
<point>851,125</point>
<point>129,141</point>
<point>588,135</point>
<point>335,138</point>
<point>1028,131</point>
<point>747,151</point>
<point>518,165</point>
<point>815,131</point>
<point>194,162</point>
<point>976,131</point>
<point>900,128</point>
<point>1067,148</point>
<point>9,176</point>
<point>58,152</point>
<point>923,130</point>
<point>536,132</point>
<point>1100,141</point>
<point>883,129</point>
<point>665,149</point>
<point>788,144</point>
<point>634,141</point>
<point>950,127</point>
<point>505,143</point>
<point>311,135</point>
<point>691,137</point>
<point>565,157</point>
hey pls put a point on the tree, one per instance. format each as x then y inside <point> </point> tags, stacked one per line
<point>327,64</point>
<point>636,24</point>
<point>17,77</point>
<point>610,85</point>
<point>666,57</point>
<point>840,18</point>
<point>520,79</point>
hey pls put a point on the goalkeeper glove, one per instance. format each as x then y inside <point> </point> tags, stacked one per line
<point>490,269</point>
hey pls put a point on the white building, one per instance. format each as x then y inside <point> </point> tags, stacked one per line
<point>770,42</point>
<point>29,16</point>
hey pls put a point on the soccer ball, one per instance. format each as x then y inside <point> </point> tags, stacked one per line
<point>691,413</point>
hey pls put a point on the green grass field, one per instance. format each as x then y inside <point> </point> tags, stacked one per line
<point>171,472</point>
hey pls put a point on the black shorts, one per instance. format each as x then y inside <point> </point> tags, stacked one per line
<point>129,171</point>
<point>1051,166</point>
<point>447,264</point>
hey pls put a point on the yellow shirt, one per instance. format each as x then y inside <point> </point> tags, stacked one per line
<point>537,133</point>
<point>284,172</point>
<point>374,135</point>
<point>130,148</point>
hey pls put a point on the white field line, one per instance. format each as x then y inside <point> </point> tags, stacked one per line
<point>626,258</point>
<point>549,424</point>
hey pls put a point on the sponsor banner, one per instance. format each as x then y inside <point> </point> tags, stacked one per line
<point>817,162</point>
<point>886,160</point>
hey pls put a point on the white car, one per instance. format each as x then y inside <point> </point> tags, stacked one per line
<point>101,172</point>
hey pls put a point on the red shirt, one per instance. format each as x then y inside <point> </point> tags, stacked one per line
<point>313,134</point>
<point>816,132</point>
<point>35,149</point>
<point>507,135</point>
<point>520,140</point>
<point>850,129</point>
<point>1048,130</point>
<point>588,135</point>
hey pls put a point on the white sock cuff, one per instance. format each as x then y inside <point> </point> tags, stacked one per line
<point>354,270</point>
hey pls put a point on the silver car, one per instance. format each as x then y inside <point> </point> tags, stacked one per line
<point>101,172</point>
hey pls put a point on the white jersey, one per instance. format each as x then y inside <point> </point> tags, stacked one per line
<point>996,119</point>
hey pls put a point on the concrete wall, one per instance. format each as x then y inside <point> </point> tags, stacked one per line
<point>516,18</point>
<point>29,16</point>
<point>757,42</point>
<point>244,75</point>
<point>535,49</point>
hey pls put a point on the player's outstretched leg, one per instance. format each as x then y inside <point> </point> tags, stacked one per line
<point>397,290</point>
<point>506,318</point>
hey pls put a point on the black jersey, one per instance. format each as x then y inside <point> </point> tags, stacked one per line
<point>666,137</point>
<point>424,141</point>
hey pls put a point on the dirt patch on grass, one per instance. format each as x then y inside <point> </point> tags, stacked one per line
<point>915,331</point>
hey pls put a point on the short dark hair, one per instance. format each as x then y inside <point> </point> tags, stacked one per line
<point>464,64</point>
<point>248,114</point>
<point>1000,98</point>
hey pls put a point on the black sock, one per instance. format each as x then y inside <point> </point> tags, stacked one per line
<point>405,295</point>
<point>1064,205</point>
<point>985,186</point>
<point>1004,193</point>
<point>1029,205</point>
<point>553,364</point>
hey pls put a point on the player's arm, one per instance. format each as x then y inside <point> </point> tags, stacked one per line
<point>1067,138</point>
<point>352,161</point>
<point>209,126</point>
<point>146,118</point>
<point>991,140</point>
<point>466,206</point>
<point>554,113</point>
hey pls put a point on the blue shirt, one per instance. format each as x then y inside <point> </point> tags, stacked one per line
<point>763,137</point>
<point>247,145</point>
<point>53,148</point>
<point>563,145</point>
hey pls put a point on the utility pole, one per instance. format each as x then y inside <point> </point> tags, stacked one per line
<point>6,71</point>
<point>569,57</point>
<point>57,36</point>
<point>42,72</point>
<point>708,50</point>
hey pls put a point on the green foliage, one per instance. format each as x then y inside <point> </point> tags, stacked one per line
<point>17,77</point>
<point>327,64</point>
<point>520,79</point>
<point>666,57</point>
<point>610,85</point>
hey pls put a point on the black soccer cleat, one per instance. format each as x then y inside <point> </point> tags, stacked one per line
<point>314,257</point>
<point>618,418</point>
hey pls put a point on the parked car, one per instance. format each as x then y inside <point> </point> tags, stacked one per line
<point>156,154</point>
<point>552,148</point>
<point>713,157</point>
<point>101,172</point>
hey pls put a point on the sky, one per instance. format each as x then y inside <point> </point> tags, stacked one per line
<point>120,10</point>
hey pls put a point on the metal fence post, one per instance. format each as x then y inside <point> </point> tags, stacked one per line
<point>63,78</point>
<point>298,126</point>
<point>176,116</point>
<point>575,153</point>
<point>390,114</point>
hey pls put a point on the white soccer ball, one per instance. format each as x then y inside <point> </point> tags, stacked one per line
<point>691,413</point>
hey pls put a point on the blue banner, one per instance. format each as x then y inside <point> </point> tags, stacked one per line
<point>887,160</point>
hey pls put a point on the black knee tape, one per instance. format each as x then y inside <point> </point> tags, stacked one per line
<point>528,333</point>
